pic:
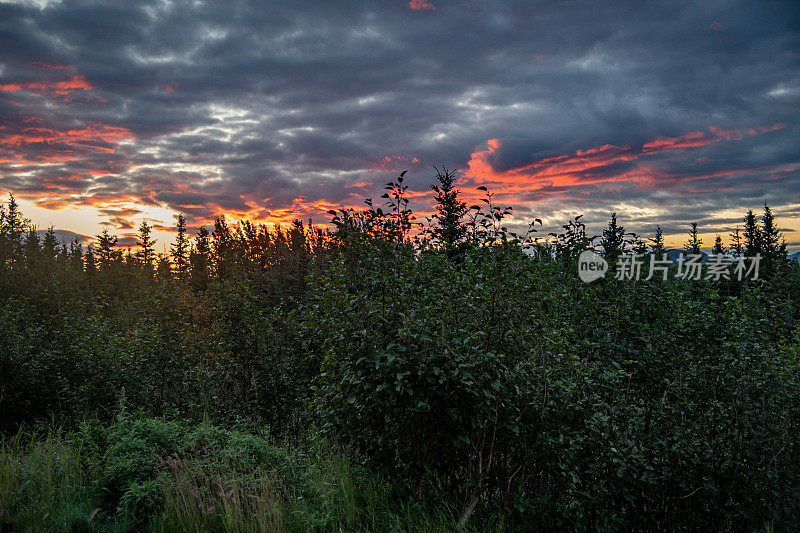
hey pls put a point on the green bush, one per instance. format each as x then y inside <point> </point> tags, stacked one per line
<point>504,385</point>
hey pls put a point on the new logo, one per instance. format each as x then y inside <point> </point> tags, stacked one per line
<point>591,266</point>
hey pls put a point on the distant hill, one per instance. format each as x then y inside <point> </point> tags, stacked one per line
<point>675,253</point>
<point>66,236</point>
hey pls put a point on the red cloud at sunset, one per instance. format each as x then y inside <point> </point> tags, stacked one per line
<point>694,139</point>
<point>593,165</point>
<point>57,88</point>
<point>94,136</point>
<point>418,5</point>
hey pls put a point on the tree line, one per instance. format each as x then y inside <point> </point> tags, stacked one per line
<point>248,249</point>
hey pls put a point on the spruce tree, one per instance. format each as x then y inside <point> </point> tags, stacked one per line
<point>718,248</point>
<point>74,254</point>
<point>773,248</point>
<point>199,259</point>
<point>180,249</point>
<point>32,249</point>
<point>13,229</point>
<point>692,246</point>
<point>751,234</point>
<point>448,230</point>
<point>50,245</point>
<point>613,240</point>
<point>657,243</point>
<point>736,242</point>
<point>771,244</point>
<point>89,262</point>
<point>146,253</point>
<point>106,254</point>
<point>222,255</point>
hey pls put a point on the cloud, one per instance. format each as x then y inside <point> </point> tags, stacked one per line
<point>273,113</point>
<point>418,5</point>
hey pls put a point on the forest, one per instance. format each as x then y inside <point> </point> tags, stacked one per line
<point>391,372</point>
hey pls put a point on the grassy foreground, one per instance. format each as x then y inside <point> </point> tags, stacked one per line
<point>145,473</point>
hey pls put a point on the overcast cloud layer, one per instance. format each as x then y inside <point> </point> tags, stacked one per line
<point>668,112</point>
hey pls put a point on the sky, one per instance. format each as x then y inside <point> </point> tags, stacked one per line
<point>666,113</point>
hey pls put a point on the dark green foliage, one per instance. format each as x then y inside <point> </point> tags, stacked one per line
<point>773,247</point>
<point>50,248</point>
<point>497,390</point>
<point>649,422</point>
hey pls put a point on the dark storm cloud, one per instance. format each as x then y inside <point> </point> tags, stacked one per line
<point>245,107</point>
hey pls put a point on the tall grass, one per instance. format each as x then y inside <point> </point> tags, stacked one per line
<point>146,474</point>
<point>43,485</point>
<point>328,493</point>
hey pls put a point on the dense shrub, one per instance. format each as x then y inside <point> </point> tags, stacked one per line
<point>474,373</point>
<point>502,380</point>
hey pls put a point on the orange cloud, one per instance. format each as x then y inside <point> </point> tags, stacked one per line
<point>693,139</point>
<point>95,136</point>
<point>593,165</point>
<point>58,88</point>
<point>560,170</point>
